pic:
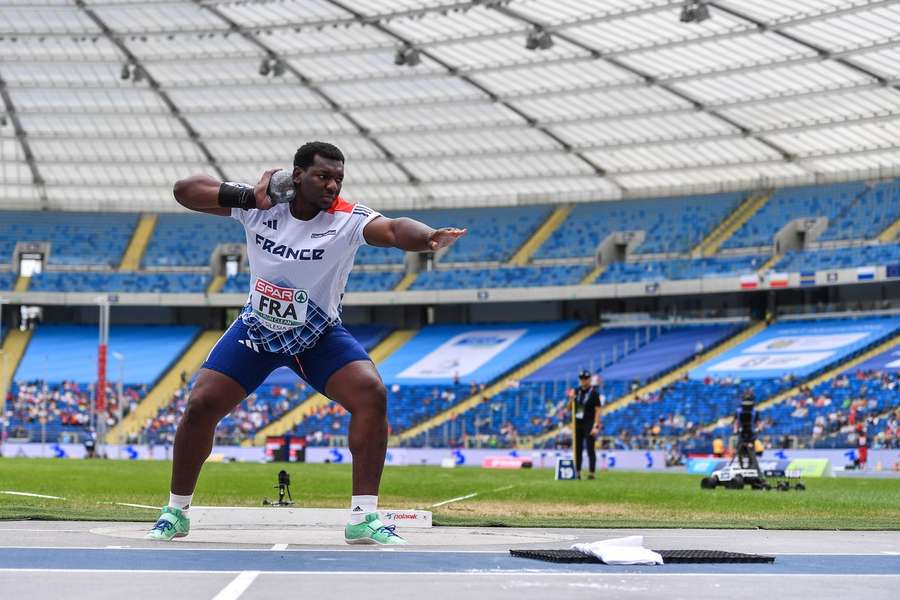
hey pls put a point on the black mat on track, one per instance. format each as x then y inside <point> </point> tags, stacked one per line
<point>668,556</point>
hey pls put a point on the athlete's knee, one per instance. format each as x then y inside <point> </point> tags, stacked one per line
<point>206,403</point>
<point>371,397</point>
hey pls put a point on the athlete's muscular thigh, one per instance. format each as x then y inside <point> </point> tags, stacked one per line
<point>357,386</point>
<point>214,394</point>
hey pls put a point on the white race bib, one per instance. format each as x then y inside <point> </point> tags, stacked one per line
<point>279,308</point>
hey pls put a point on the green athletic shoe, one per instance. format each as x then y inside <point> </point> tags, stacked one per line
<point>372,531</point>
<point>171,524</point>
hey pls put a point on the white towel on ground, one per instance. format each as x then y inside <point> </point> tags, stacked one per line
<point>621,551</point>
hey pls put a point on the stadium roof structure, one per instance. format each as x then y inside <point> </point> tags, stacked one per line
<point>445,102</point>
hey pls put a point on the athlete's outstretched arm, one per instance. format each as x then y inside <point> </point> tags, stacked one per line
<point>409,234</point>
<point>202,193</point>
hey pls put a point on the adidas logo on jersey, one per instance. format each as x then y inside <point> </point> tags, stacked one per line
<point>249,344</point>
<point>273,224</point>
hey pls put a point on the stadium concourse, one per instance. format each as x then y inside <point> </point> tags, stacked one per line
<point>696,201</point>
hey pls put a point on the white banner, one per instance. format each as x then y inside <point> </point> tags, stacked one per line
<point>462,354</point>
<point>805,343</point>
<point>764,362</point>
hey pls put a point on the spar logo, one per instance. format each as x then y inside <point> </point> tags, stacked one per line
<point>280,293</point>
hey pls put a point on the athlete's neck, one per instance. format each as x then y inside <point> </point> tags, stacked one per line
<point>304,211</point>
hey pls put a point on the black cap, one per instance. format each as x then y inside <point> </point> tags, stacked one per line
<point>584,374</point>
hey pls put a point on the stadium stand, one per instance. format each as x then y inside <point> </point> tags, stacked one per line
<point>358,281</point>
<point>873,211</point>
<point>671,225</point>
<point>7,280</point>
<point>373,255</point>
<point>624,356</point>
<point>494,234</point>
<point>60,412</point>
<point>771,362</point>
<point>788,204</point>
<point>532,276</point>
<point>75,238</point>
<point>69,352</point>
<point>135,282</point>
<point>187,239</point>
<point>864,396</point>
<point>479,353</point>
<point>54,380</point>
<point>700,268</point>
<point>373,281</point>
<point>843,258</point>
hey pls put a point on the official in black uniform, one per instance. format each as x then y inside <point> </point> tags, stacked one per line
<point>586,403</point>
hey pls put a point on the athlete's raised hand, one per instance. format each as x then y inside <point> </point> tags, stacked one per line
<point>261,191</point>
<point>443,237</point>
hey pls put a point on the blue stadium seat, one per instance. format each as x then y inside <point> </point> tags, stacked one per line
<point>374,255</point>
<point>7,280</point>
<point>373,281</point>
<point>672,225</point>
<point>494,234</point>
<point>445,279</point>
<point>359,281</point>
<point>788,204</point>
<point>69,352</point>
<point>843,258</point>
<point>167,283</point>
<point>189,239</point>
<point>875,210</point>
<point>75,238</point>
<point>699,268</point>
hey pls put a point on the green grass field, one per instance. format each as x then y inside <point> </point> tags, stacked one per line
<point>505,498</point>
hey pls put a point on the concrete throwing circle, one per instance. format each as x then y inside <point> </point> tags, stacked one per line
<point>333,536</point>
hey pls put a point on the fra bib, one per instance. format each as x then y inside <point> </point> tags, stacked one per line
<point>279,308</point>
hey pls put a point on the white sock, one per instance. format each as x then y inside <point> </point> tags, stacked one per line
<point>182,503</point>
<point>360,506</point>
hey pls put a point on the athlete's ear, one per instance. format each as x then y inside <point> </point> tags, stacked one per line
<point>296,174</point>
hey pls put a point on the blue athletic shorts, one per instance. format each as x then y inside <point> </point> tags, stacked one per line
<point>238,357</point>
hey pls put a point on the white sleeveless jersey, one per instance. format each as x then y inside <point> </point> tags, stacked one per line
<point>298,271</point>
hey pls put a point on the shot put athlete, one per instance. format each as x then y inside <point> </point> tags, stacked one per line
<point>301,253</point>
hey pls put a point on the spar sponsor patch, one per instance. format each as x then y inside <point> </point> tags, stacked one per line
<point>279,308</point>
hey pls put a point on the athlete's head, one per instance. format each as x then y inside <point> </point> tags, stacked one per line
<point>318,173</point>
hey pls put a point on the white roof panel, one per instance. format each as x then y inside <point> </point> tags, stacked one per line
<point>761,93</point>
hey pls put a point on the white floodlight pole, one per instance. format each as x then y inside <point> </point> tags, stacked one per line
<point>100,393</point>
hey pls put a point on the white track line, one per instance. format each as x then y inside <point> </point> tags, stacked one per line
<point>238,586</point>
<point>491,573</point>
<point>30,495</point>
<point>407,549</point>
<point>466,497</point>
<point>136,505</point>
<point>505,487</point>
<point>279,547</point>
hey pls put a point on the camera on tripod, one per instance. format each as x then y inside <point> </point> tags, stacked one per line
<point>284,489</point>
